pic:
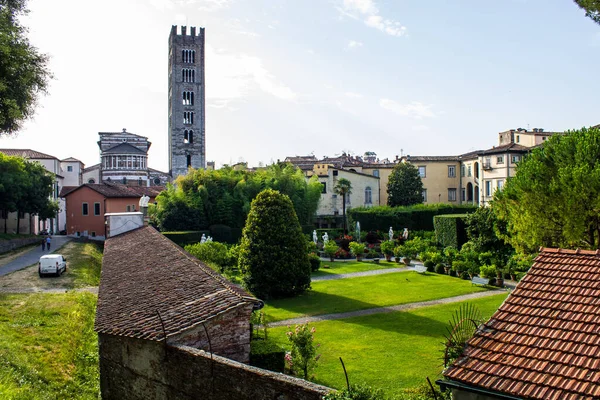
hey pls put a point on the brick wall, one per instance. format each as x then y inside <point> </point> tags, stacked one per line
<point>140,369</point>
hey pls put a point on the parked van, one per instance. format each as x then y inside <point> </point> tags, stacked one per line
<point>52,264</point>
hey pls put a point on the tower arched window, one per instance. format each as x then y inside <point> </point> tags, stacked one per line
<point>188,98</point>
<point>188,75</point>
<point>188,117</point>
<point>368,197</point>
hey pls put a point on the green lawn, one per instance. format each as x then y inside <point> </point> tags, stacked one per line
<point>391,351</point>
<point>350,294</point>
<point>84,261</point>
<point>48,349</point>
<point>346,267</point>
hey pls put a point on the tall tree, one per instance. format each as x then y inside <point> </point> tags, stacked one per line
<point>273,256</point>
<point>23,70</point>
<point>13,184</point>
<point>554,199</point>
<point>405,187</point>
<point>343,187</point>
<point>591,7</point>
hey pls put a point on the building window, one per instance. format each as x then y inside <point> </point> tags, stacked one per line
<point>188,56</point>
<point>124,181</point>
<point>376,173</point>
<point>84,209</point>
<point>188,136</point>
<point>452,194</point>
<point>96,208</point>
<point>128,208</point>
<point>462,170</point>
<point>157,181</point>
<point>188,117</point>
<point>335,172</point>
<point>451,171</point>
<point>188,98</point>
<point>93,234</point>
<point>188,75</point>
<point>21,214</point>
<point>368,198</point>
<point>488,188</point>
<point>424,194</point>
<point>515,159</point>
<point>347,198</point>
<point>324,190</point>
<point>499,184</point>
<point>463,194</point>
<point>543,138</point>
<point>69,168</point>
<point>469,173</point>
<point>188,160</point>
<point>518,138</point>
<point>500,159</point>
<point>422,171</point>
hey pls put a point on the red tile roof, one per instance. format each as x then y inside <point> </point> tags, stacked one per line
<point>544,341</point>
<point>144,274</point>
<point>112,190</point>
<point>27,153</point>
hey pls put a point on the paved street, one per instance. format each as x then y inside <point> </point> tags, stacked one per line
<point>33,256</point>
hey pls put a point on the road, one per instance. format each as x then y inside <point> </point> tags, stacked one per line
<point>33,256</point>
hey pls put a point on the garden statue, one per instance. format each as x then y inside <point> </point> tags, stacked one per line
<point>325,238</point>
<point>208,239</point>
<point>203,238</point>
<point>405,234</point>
<point>358,231</point>
<point>391,234</point>
<point>315,236</point>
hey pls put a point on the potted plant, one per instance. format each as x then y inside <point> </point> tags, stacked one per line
<point>398,252</point>
<point>357,249</point>
<point>387,248</point>
<point>330,249</point>
<point>499,276</point>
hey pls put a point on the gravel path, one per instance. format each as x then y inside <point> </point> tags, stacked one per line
<point>380,310</point>
<point>363,273</point>
<point>91,289</point>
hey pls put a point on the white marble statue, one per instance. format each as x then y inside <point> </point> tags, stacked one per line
<point>391,234</point>
<point>325,238</point>
<point>315,236</point>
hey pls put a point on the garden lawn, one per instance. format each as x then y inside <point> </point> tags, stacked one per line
<point>391,351</point>
<point>48,348</point>
<point>347,267</point>
<point>341,295</point>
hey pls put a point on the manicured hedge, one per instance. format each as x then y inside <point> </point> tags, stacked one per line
<point>267,355</point>
<point>418,217</point>
<point>184,238</point>
<point>450,230</point>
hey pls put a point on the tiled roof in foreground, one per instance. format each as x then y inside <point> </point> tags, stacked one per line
<point>148,283</point>
<point>544,341</point>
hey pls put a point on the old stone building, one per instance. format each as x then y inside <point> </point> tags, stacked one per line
<point>186,100</point>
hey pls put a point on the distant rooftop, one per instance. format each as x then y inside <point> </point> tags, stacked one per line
<point>27,153</point>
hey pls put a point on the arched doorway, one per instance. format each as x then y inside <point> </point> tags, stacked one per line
<point>476,166</point>
<point>469,192</point>
<point>476,194</point>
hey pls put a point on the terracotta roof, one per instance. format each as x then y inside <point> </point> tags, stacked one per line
<point>432,158</point>
<point>26,153</point>
<point>544,341</point>
<point>510,147</point>
<point>71,159</point>
<point>91,168</point>
<point>161,278</point>
<point>116,190</point>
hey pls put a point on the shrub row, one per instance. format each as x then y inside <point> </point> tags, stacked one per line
<point>419,217</point>
<point>450,230</point>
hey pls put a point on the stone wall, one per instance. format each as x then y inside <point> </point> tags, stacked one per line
<point>8,245</point>
<point>141,369</point>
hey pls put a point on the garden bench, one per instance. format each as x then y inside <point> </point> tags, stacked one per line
<point>420,268</point>
<point>480,281</point>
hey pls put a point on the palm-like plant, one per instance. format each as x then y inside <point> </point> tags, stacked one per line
<point>343,187</point>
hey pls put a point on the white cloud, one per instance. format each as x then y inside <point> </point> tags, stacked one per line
<point>368,11</point>
<point>212,5</point>
<point>235,76</point>
<point>353,95</point>
<point>353,44</point>
<point>413,109</point>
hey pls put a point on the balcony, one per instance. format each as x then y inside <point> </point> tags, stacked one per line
<point>486,166</point>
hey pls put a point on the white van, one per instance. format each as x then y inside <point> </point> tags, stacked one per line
<point>52,264</point>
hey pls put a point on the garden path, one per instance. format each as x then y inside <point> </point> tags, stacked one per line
<point>33,255</point>
<point>380,310</point>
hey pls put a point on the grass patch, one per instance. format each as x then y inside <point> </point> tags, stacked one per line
<point>347,267</point>
<point>391,351</point>
<point>350,294</point>
<point>48,348</point>
<point>9,236</point>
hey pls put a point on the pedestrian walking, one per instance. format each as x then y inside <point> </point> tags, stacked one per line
<point>48,241</point>
<point>43,244</point>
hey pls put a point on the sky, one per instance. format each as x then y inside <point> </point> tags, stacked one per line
<point>322,77</point>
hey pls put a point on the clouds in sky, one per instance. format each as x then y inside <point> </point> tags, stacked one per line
<point>368,11</point>
<point>414,109</point>
<point>353,44</point>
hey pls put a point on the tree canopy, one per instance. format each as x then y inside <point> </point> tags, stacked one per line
<point>23,70</point>
<point>591,7</point>
<point>273,256</point>
<point>405,187</point>
<point>203,198</point>
<point>554,198</point>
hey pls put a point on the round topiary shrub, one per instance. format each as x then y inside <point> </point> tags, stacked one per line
<point>272,255</point>
<point>429,265</point>
<point>439,269</point>
<point>315,262</point>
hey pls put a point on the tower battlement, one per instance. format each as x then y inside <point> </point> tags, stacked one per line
<point>183,31</point>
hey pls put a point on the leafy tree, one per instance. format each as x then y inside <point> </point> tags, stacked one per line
<point>405,187</point>
<point>175,212</point>
<point>591,7</point>
<point>486,232</point>
<point>273,255</point>
<point>554,199</point>
<point>343,187</point>
<point>23,71</point>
